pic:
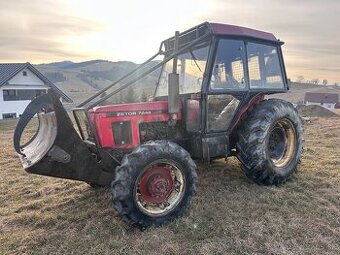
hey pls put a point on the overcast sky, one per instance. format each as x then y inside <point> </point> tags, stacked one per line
<point>41,31</point>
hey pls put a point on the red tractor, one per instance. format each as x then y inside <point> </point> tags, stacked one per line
<point>208,104</point>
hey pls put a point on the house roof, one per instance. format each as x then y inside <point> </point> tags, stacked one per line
<point>9,70</point>
<point>330,98</point>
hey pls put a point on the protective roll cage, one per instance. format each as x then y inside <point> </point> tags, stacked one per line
<point>186,40</point>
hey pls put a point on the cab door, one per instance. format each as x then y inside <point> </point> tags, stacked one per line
<point>225,89</point>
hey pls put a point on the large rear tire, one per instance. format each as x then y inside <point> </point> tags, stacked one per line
<point>270,142</point>
<point>154,184</point>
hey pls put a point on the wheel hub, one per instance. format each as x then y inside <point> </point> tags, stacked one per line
<point>156,184</point>
<point>277,143</point>
<point>282,143</point>
<point>159,188</point>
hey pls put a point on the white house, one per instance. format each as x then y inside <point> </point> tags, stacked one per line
<point>19,84</point>
<point>327,100</point>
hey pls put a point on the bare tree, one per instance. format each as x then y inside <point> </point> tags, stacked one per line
<point>315,81</point>
<point>144,97</point>
<point>130,96</point>
<point>300,79</point>
<point>324,82</point>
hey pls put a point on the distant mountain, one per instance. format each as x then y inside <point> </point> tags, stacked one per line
<point>114,71</point>
<point>80,80</point>
<point>70,64</point>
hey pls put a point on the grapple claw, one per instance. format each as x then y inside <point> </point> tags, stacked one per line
<point>56,149</point>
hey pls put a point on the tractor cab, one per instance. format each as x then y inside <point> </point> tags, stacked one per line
<point>210,75</point>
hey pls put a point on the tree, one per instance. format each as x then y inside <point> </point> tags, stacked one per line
<point>324,82</point>
<point>144,97</point>
<point>130,96</point>
<point>315,81</point>
<point>120,97</point>
<point>300,79</point>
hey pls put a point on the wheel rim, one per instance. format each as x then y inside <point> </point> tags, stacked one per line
<point>282,143</point>
<point>159,188</point>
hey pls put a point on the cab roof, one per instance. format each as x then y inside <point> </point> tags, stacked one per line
<point>225,29</point>
<point>209,28</point>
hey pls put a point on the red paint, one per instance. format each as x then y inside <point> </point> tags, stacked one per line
<point>156,184</point>
<point>192,118</point>
<point>136,113</point>
<point>255,100</point>
<point>193,110</point>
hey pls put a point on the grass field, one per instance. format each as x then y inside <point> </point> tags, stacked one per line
<point>230,215</point>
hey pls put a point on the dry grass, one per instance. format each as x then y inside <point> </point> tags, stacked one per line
<point>230,215</point>
<point>337,111</point>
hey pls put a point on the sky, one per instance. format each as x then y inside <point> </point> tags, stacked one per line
<point>43,31</point>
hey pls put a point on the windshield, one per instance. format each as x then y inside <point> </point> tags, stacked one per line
<point>190,67</point>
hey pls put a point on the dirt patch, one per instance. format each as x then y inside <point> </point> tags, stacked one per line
<point>315,111</point>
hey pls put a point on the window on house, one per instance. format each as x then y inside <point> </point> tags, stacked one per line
<point>22,94</point>
<point>9,115</point>
<point>9,94</point>
<point>24,73</point>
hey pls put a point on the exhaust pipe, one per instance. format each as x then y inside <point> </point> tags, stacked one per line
<point>173,87</point>
<point>56,149</point>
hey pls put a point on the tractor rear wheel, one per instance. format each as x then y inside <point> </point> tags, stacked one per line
<point>154,184</point>
<point>270,142</point>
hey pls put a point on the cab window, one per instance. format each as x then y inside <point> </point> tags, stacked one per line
<point>228,70</point>
<point>190,67</point>
<point>264,67</point>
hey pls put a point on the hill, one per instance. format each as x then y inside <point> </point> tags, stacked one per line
<point>70,64</point>
<point>83,79</point>
<point>297,91</point>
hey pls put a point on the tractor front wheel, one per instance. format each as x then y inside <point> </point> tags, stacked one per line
<point>270,142</point>
<point>154,184</point>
